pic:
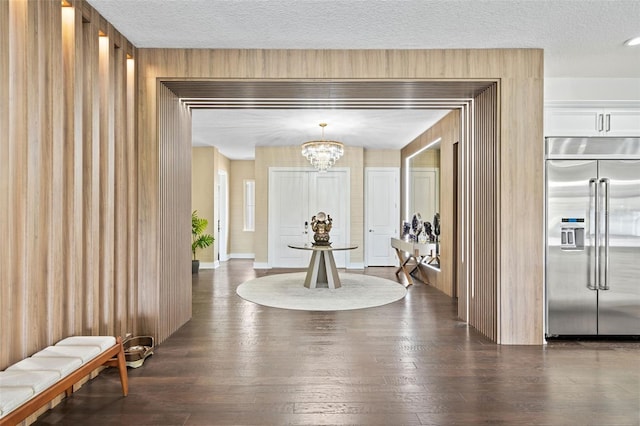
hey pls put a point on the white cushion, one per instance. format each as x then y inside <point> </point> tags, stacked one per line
<point>84,353</point>
<point>63,365</point>
<point>38,380</point>
<point>13,397</point>
<point>104,342</point>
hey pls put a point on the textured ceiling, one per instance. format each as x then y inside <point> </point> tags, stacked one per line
<point>581,38</point>
<point>237,132</point>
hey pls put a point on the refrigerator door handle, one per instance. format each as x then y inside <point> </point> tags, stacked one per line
<point>604,285</point>
<point>593,208</point>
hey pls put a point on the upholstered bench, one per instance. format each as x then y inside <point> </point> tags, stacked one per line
<point>28,385</point>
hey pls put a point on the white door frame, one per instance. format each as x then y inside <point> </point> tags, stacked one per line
<point>272,232</point>
<point>223,215</point>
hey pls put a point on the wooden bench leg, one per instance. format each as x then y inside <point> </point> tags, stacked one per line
<point>122,369</point>
<point>121,363</point>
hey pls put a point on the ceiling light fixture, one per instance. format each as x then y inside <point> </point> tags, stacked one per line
<point>322,154</point>
<point>632,42</point>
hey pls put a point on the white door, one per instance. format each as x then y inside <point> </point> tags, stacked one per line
<point>288,212</point>
<point>382,214</point>
<point>294,197</point>
<point>327,193</point>
<point>424,198</point>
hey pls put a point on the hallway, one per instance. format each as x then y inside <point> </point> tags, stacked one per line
<point>409,362</point>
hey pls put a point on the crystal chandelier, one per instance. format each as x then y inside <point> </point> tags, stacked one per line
<point>322,154</point>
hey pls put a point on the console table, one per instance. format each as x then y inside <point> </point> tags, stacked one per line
<point>414,251</point>
<point>322,267</point>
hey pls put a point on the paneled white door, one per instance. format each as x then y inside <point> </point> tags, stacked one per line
<point>424,198</point>
<point>328,193</point>
<point>288,211</point>
<point>382,214</point>
<point>294,197</point>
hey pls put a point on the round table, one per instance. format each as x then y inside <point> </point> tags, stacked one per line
<point>322,270</point>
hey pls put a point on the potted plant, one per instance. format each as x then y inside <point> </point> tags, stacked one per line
<point>199,240</point>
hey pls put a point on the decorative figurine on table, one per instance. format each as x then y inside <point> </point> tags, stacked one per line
<point>406,230</point>
<point>416,226</point>
<point>321,225</point>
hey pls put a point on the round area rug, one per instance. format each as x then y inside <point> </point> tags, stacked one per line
<point>287,291</point>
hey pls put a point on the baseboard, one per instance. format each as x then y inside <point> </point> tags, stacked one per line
<point>209,265</point>
<point>261,265</point>
<point>224,258</point>
<point>242,255</point>
<point>356,265</point>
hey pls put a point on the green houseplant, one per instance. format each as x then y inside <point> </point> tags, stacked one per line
<point>199,240</point>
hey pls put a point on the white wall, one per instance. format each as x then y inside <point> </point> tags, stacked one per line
<point>591,89</point>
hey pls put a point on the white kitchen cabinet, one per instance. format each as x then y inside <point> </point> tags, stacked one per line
<point>590,121</point>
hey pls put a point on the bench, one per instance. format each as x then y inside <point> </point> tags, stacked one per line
<point>28,385</point>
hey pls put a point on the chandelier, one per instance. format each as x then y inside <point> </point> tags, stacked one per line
<point>322,154</point>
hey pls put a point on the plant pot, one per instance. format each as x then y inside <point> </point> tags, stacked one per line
<point>195,266</point>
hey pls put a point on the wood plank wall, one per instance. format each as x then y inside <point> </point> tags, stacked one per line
<point>484,227</point>
<point>68,183</point>
<point>174,297</point>
<point>448,129</point>
<point>520,71</point>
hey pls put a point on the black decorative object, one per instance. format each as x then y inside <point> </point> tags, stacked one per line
<point>428,230</point>
<point>436,225</point>
<point>406,230</point>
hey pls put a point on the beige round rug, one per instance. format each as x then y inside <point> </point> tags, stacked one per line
<point>287,291</point>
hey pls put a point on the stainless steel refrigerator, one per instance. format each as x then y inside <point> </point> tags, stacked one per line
<point>592,236</point>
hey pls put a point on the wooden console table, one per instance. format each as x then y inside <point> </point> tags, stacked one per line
<point>414,251</point>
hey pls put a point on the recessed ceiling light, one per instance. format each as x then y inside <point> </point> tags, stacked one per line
<point>632,41</point>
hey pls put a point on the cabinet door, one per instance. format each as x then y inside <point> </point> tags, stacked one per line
<point>573,122</point>
<point>622,122</point>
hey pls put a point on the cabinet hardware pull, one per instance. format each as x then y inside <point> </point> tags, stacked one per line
<point>600,122</point>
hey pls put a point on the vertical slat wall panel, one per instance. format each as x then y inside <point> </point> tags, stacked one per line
<point>58,145</point>
<point>7,288</point>
<point>91,174</point>
<point>485,181</point>
<point>59,285</point>
<point>16,306</point>
<point>105,74</point>
<point>132,196</point>
<point>463,214</point>
<point>174,303</point>
<point>121,188</point>
<point>38,184</point>
<point>75,58</point>
<point>72,155</point>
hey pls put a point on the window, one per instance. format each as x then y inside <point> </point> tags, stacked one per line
<point>249,205</point>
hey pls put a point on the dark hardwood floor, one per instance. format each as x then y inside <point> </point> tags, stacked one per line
<point>409,362</point>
